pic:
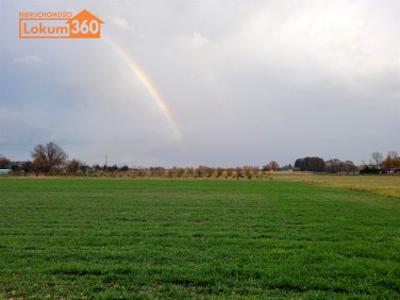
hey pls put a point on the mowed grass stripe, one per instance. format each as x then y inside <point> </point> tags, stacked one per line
<point>77,238</point>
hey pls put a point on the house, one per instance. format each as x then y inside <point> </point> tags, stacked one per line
<point>85,25</point>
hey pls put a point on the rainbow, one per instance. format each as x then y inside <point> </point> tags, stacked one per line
<point>149,85</point>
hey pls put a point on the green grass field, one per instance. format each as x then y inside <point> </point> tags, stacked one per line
<point>146,239</point>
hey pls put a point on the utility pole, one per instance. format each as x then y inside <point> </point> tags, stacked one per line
<point>106,161</point>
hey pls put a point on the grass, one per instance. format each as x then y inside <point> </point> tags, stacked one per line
<point>146,239</point>
<point>387,185</point>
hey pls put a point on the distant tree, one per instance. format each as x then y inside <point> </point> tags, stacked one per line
<point>315,164</point>
<point>337,166</point>
<point>124,168</point>
<point>190,172</point>
<point>5,163</point>
<point>15,166</point>
<point>367,170</point>
<point>349,167</point>
<point>334,165</point>
<point>271,166</point>
<point>49,157</point>
<point>203,171</point>
<point>393,154</point>
<point>28,167</point>
<point>157,171</point>
<point>392,160</point>
<point>299,164</point>
<point>247,171</point>
<point>180,172</point>
<point>113,168</point>
<point>73,166</point>
<point>219,172</point>
<point>377,158</point>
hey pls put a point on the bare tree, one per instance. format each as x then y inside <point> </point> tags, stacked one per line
<point>47,158</point>
<point>73,166</point>
<point>271,166</point>
<point>377,158</point>
<point>392,160</point>
<point>5,163</point>
<point>393,154</point>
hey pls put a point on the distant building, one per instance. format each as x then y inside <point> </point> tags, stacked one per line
<point>5,171</point>
<point>391,171</point>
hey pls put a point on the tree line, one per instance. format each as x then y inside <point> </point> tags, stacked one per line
<point>51,159</point>
<point>381,164</point>
<point>378,164</point>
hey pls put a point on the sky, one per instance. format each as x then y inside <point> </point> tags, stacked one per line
<point>218,83</point>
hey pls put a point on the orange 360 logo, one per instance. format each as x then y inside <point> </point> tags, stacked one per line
<point>40,25</point>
